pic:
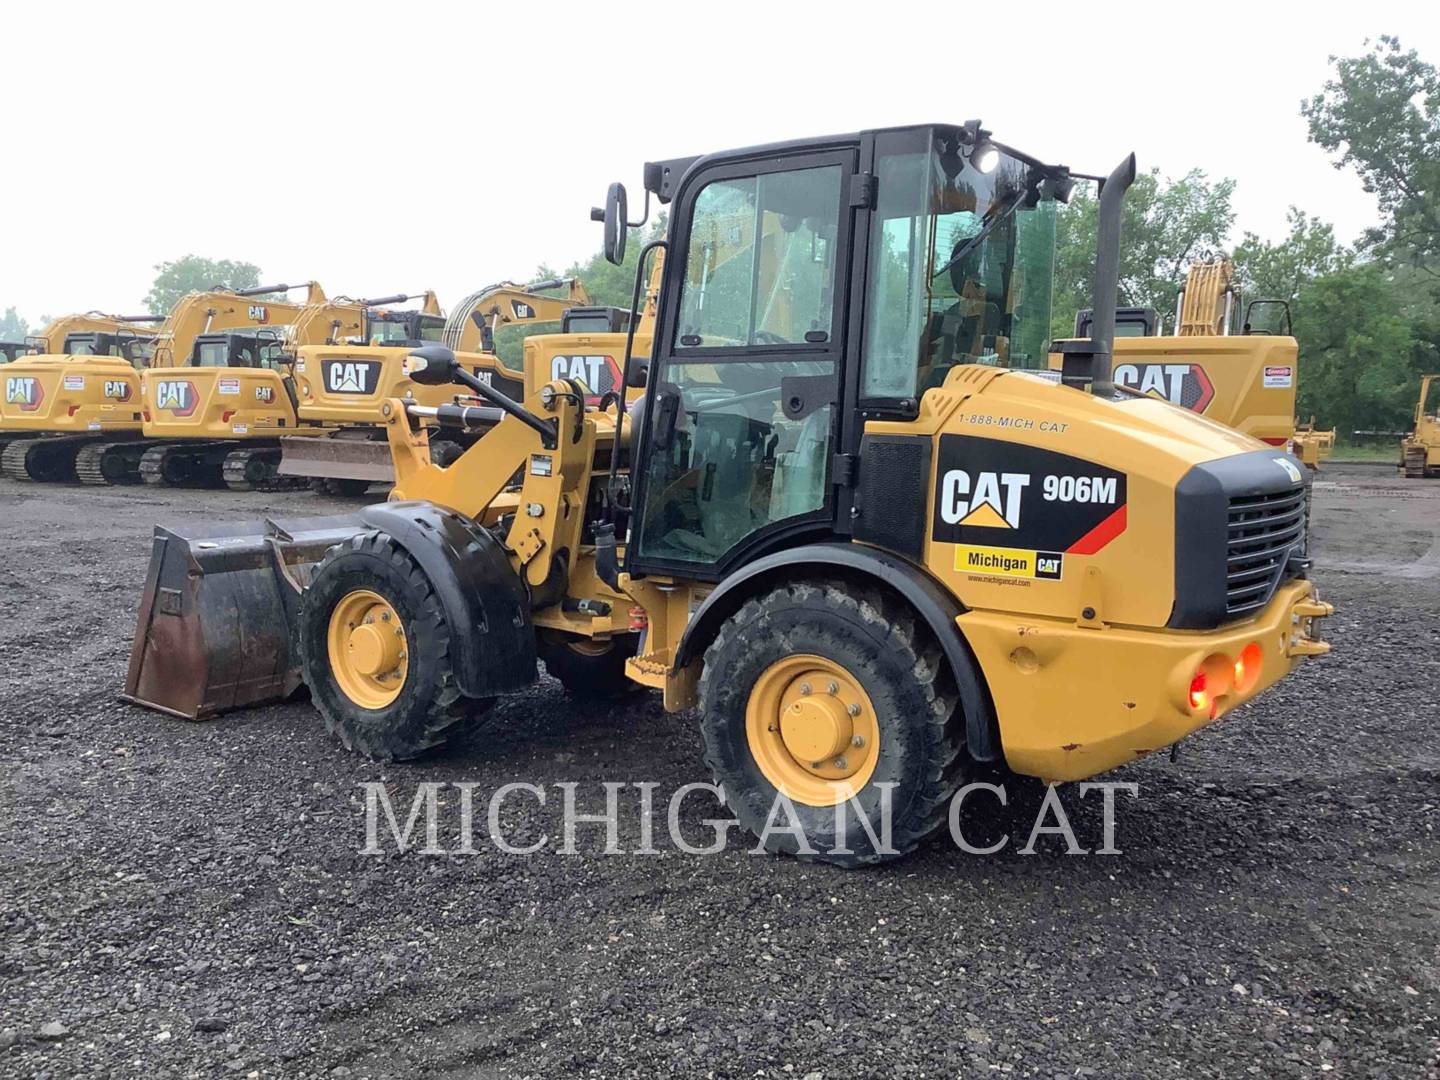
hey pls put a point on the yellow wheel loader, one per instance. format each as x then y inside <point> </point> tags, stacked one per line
<point>870,560</point>
<point>71,387</point>
<point>222,393</point>
<point>1420,450</point>
<point>342,386</point>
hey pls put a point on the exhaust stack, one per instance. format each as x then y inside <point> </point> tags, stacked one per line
<point>1087,360</point>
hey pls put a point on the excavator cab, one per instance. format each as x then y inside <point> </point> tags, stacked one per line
<point>12,350</point>
<point>257,348</point>
<point>132,348</point>
<point>407,328</point>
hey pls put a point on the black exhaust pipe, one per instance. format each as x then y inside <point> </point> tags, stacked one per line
<point>1107,274</point>
<point>1088,360</point>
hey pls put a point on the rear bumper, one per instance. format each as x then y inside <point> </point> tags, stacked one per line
<point>1073,702</point>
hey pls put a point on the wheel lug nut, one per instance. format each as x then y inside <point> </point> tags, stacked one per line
<point>805,688</point>
<point>833,688</point>
<point>840,763</point>
<point>773,727</point>
<point>853,710</point>
<point>857,742</point>
<point>385,615</point>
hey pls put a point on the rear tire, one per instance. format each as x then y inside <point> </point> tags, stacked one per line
<point>429,707</point>
<point>891,676</point>
<point>588,668</point>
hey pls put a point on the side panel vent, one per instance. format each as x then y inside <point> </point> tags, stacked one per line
<point>891,495</point>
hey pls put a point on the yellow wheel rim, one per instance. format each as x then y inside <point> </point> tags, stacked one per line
<point>369,652</point>
<point>812,730</point>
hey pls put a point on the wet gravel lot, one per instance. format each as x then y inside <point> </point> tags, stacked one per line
<point>192,900</point>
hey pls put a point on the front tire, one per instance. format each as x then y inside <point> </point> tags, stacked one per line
<point>827,695</point>
<point>374,648</point>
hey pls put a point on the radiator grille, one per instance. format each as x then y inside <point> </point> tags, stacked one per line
<point>1264,530</point>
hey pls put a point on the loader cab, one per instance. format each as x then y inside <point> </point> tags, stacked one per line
<point>808,288</point>
<point>240,349</point>
<point>408,328</point>
<point>133,349</point>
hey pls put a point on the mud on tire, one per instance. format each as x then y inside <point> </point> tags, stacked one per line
<point>430,708</point>
<point>881,643</point>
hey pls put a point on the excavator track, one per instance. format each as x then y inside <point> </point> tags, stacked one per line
<point>257,470</point>
<point>107,463</point>
<point>1414,463</point>
<point>44,460</point>
<point>181,465</point>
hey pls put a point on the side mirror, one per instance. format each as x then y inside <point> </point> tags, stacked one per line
<point>432,365</point>
<point>639,375</point>
<point>615,218</point>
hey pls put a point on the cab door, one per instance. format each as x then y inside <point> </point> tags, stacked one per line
<point>742,407</point>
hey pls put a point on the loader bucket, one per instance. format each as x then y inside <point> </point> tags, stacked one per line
<point>215,625</point>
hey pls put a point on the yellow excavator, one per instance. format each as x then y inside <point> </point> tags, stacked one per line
<point>93,428</point>
<point>341,386</point>
<point>1420,450</point>
<point>214,413</point>
<point>873,561</point>
<point>71,386</point>
<point>1217,362</point>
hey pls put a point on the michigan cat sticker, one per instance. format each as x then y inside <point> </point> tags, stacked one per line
<point>1017,511</point>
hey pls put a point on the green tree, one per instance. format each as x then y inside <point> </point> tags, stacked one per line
<point>194,273</point>
<point>1381,115</point>
<point>614,285</point>
<point>1166,224</point>
<point>1356,349</point>
<point>12,326</point>
<point>1279,271</point>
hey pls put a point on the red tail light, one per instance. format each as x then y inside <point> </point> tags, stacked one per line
<point>1199,694</point>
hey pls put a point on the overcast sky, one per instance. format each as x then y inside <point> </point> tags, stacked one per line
<point>402,146</point>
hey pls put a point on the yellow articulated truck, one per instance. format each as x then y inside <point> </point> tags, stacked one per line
<point>341,386</point>
<point>871,560</point>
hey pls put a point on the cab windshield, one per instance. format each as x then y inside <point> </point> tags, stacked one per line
<point>412,328</point>
<point>961,266</point>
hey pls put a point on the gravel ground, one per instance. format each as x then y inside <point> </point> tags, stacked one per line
<point>190,900</point>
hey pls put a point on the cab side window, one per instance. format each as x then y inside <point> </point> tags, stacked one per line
<point>760,270</point>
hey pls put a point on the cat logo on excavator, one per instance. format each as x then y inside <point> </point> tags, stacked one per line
<point>176,395</point>
<point>1185,385</point>
<point>24,391</point>
<point>117,389</point>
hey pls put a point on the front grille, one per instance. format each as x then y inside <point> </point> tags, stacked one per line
<point>1263,532</point>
